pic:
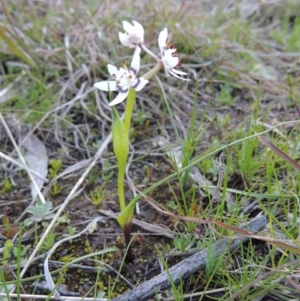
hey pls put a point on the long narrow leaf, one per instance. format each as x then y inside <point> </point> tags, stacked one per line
<point>15,49</point>
<point>297,108</point>
<point>279,152</point>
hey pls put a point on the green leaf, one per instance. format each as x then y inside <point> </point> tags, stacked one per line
<point>120,140</point>
<point>125,216</point>
<point>9,244</point>
<point>28,222</point>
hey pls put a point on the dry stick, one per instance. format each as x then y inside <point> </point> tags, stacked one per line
<point>187,267</point>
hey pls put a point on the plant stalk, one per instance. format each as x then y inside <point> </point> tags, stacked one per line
<point>129,109</point>
<point>121,173</point>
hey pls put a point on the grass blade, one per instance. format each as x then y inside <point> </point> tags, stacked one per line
<point>15,49</point>
<point>279,152</point>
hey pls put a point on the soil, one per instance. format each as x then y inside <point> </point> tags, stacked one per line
<point>80,280</point>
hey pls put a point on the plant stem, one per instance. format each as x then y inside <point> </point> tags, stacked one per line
<point>121,168</point>
<point>126,217</point>
<point>129,109</point>
<point>121,173</point>
<point>153,71</point>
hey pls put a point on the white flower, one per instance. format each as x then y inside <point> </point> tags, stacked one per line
<point>169,56</point>
<point>124,79</point>
<point>134,34</point>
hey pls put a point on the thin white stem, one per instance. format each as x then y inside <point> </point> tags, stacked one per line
<point>143,47</point>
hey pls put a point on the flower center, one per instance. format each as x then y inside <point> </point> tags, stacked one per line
<point>171,45</point>
<point>126,79</point>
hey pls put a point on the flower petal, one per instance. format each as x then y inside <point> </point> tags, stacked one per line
<point>128,27</point>
<point>174,74</point>
<point>134,35</point>
<point>106,86</point>
<point>135,64</point>
<point>179,72</point>
<point>120,97</point>
<point>124,39</point>
<point>139,84</point>
<point>162,39</point>
<point>170,61</point>
<point>123,85</point>
<point>115,72</point>
<point>140,29</point>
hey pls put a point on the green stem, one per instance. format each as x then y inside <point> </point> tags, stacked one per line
<point>121,148</point>
<point>122,165</point>
<point>121,173</point>
<point>127,121</point>
<point>153,71</point>
<point>129,108</point>
<point>131,96</point>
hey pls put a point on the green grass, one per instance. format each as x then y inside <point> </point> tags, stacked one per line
<point>245,83</point>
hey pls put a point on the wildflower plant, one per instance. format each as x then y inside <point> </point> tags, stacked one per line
<point>127,83</point>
